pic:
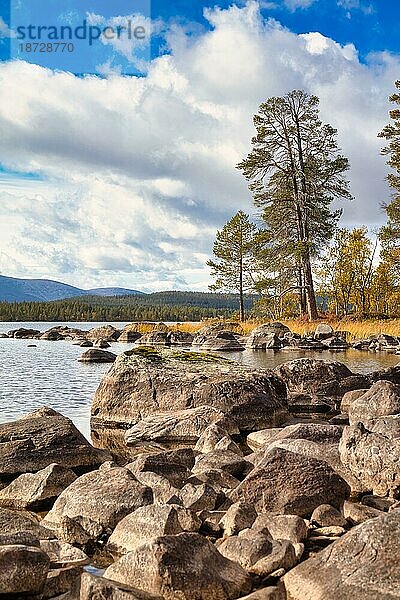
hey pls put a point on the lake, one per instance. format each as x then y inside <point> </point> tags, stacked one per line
<point>51,375</point>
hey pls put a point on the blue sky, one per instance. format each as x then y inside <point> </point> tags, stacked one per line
<point>123,181</point>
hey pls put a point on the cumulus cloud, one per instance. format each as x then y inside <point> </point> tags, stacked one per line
<point>140,171</point>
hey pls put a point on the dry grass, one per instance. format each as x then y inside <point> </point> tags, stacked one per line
<point>356,329</point>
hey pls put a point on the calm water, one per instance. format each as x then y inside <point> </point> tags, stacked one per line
<point>51,375</point>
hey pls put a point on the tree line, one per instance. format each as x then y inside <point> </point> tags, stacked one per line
<point>297,258</point>
<point>160,306</point>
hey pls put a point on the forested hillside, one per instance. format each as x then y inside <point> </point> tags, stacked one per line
<point>160,306</point>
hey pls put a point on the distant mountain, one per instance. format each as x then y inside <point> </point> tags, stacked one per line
<point>45,290</point>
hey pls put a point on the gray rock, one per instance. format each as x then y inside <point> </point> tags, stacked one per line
<point>173,427</point>
<point>157,338</point>
<point>63,555</point>
<point>220,459</point>
<point>323,331</point>
<point>198,497</point>
<point>184,566</point>
<point>42,438</point>
<point>107,333</point>
<point>362,564</point>
<point>373,457</point>
<point>174,465</point>
<point>218,479</point>
<point>282,527</point>
<point>179,338</point>
<point>23,570</point>
<point>282,556</point>
<point>266,337</point>
<point>290,483</point>
<point>99,588</point>
<point>150,522</point>
<point>246,551</point>
<point>96,355</point>
<point>35,490</point>
<point>239,516</point>
<point>357,513</point>
<point>350,397</point>
<point>382,399</point>
<point>222,341</point>
<point>145,382</point>
<point>83,503</point>
<point>326,515</point>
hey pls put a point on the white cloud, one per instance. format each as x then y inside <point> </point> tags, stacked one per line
<point>141,171</point>
<point>295,4</point>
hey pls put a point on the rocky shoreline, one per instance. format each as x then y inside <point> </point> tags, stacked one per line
<point>207,480</point>
<point>217,337</point>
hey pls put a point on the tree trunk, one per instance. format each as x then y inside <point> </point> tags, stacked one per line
<point>241,300</point>
<point>310,292</point>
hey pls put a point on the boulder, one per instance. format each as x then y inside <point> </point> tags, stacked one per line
<point>356,513</point>
<point>246,550</point>
<point>326,515</point>
<point>373,455</point>
<point>102,344</point>
<point>23,570</point>
<point>157,338</point>
<point>37,490</point>
<point>23,333</point>
<point>94,503</point>
<point>350,397</point>
<point>42,438</point>
<point>16,522</point>
<point>211,436</point>
<point>129,337</point>
<point>389,374</point>
<point>315,378</point>
<point>282,556</point>
<point>52,335</point>
<point>179,338</point>
<point>289,483</point>
<point>265,337</point>
<point>362,564</point>
<point>222,341</point>
<point>382,399</point>
<point>147,381</point>
<point>20,538</point>
<point>107,333</point>
<point>86,344</point>
<point>174,427</point>
<point>184,566</point>
<point>258,439</point>
<point>268,593</point>
<point>93,587</point>
<point>149,522</point>
<point>97,355</point>
<point>282,527</point>
<point>62,583</point>
<point>198,497</point>
<point>323,331</point>
<point>239,516</point>
<point>210,330</point>
<point>174,465</point>
<point>63,555</point>
<point>220,459</point>
<point>163,491</point>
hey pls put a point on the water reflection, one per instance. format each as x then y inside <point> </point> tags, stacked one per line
<point>50,374</point>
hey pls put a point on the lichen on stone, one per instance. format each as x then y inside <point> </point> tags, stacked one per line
<point>148,352</point>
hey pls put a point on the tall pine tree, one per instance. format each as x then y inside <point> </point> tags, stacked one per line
<point>295,170</point>
<point>234,249</point>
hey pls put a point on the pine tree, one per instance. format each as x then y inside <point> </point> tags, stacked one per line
<point>294,172</point>
<point>390,234</point>
<point>234,247</point>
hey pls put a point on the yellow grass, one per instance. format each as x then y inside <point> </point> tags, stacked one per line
<point>355,329</point>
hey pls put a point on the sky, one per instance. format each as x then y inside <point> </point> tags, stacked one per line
<point>117,164</point>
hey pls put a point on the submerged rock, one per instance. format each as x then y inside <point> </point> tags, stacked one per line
<point>146,381</point>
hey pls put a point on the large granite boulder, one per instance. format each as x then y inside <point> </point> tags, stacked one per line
<point>93,587</point>
<point>23,333</point>
<point>37,490</point>
<point>373,455</point>
<point>20,522</point>
<point>361,565</point>
<point>41,438</point>
<point>107,333</point>
<point>175,465</point>
<point>145,381</point>
<point>382,399</point>
<point>211,330</point>
<point>319,379</point>
<point>179,338</point>
<point>174,427</point>
<point>286,482</point>
<point>184,566</point>
<point>222,341</point>
<point>267,336</point>
<point>94,503</point>
<point>156,338</point>
<point>23,571</point>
